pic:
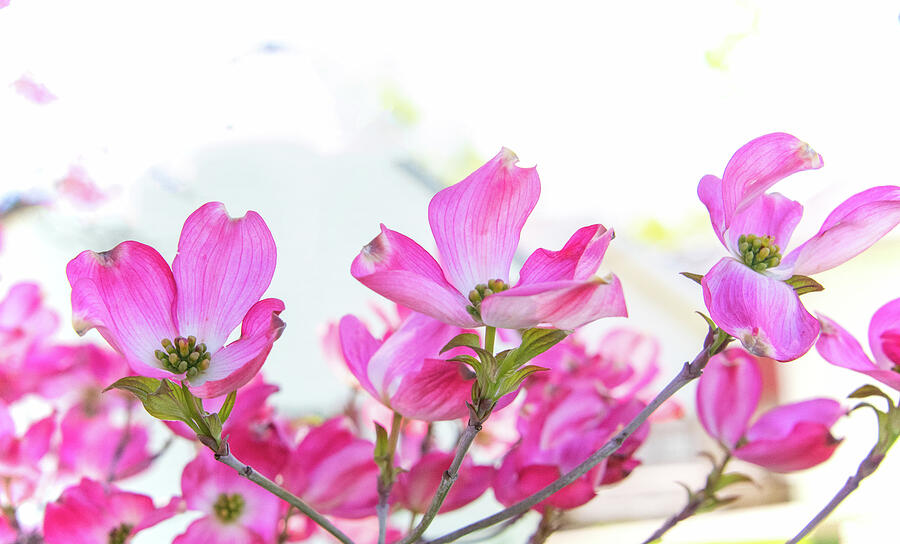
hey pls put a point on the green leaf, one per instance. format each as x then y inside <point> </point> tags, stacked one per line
<point>467,360</point>
<point>511,381</point>
<point>870,391</point>
<point>691,276</point>
<point>161,398</point>
<point>381,442</point>
<point>227,406</point>
<point>536,341</point>
<point>466,339</point>
<point>730,478</point>
<point>804,284</point>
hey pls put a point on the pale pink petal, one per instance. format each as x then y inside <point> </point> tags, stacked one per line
<point>26,85</point>
<point>710,192</point>
<point>208,531</point>
<point>838,347</point>
<point>760,164</point>
<point>559,304</point>
<point>157,515</point>
<point>223,267</point>
<point>765,314</point>
<point>577,260</point>
<point>779,422</point>
<point>768,215</point>
<point>237,363</point>
<point>358,345</point>
<point>476,223</point>
<point>36,441</point>
<point>435,391</point>
<point>884,334</point>
<point>850,229</point>
<point>396,267</point>
<point>728,393</point>
<point>128,295</point>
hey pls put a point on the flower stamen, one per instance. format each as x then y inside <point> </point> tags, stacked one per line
<point>228,507</point>
<point>120,534</point>
<point>759,252</point>
<point>183,356</point>
<point>481,292</point>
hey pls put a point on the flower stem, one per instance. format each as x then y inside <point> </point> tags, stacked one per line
<point>387,477</point>
<point>248,472</point>
<point>866,468</point>
<point>689,372</point>
<point>549,524</point>
<point>490,333</point>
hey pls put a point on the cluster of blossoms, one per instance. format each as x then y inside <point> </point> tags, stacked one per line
<point>478,384</point>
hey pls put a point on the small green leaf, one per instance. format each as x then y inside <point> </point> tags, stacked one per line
<point>691,276</point>
<point>870,391</point>
<point>467,360</point>
<point>381,442</point>
<point>227,406</point>
<point>804,284</point>
<point>466,339</point>
<point>513,380</point>
<point>536,341</point>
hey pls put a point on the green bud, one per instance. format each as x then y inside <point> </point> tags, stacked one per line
<point>474,296</point>
<point>192,341</point>
<point>161,355</point>
<point>192,372</point>
<point>182,367</point>
<point>173,359</point>
<point>201,348</point>
<point>762,254</point>
<point>194,357</point>
<point>488,292</point>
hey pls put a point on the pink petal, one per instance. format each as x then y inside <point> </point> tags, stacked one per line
<point>208,531</point>
<point>768,215</point>
<point>237,363</point>
<point>26,85</point>
<point>127,294</point>
<point>760,164</point>
<point>884,334</point>
<point>710,192</point>
<point>779,422</point>
<point>728,393</point>
<point>223,267</point>
<point>396,267</point>
<point>358,345</point>
<point>838,347</point>
<point>435,391</point>
<point>476,223</point>
<point>763,313</point>
<point>577,260</point>
<point>416,487</point>
<point>559,304</point>
<point>850,229</point>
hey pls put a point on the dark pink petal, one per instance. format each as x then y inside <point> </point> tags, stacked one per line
<point>435,391</point>
<point>884,335</point>
<point>237,363</point>
<point>559,304</point>
<point>779,422</point>
<point>728,393</point>
<point>357,346</point>
<point>760,164</point>
<point>850,229</point>
<point>416,487</point>
<point>710,192</point>
<point>577,260</point>
<point>476,223</point>
<point>838,347</point>
<point>768,215</point>
<point>128,295</point>
<point>396,267</point>
<point>223,267</point>
<point>765,314</point>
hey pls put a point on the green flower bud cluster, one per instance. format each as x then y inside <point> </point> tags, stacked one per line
<point>183,355</point>
<point>759,252</point>
<point>481,292</point>
<point>120,534</point>
<point>228,507</point>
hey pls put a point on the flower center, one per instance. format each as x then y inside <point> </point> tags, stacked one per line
<point>890,345</point>
<point>481,292</point>
<point>183,355</point>
<point>229,507</point>
<point>120,534</point>
<point>759,252</point>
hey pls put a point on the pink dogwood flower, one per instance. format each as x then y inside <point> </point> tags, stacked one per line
<point>92,513</point>
<point>173,323</point>
<point>20,456</point>
<point>839,347</point>
<point>476,225</point>
<point>787,438</point>
<point>236,510</point>
<point>416,487</point>
<point>746,294</point>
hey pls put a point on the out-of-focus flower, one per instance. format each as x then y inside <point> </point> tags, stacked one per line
<point>403,372</point>
<point>416,487</point>
<point>790,437</point>
<point>28,87</point>
<point>78,187</point>
<point>235,509</point>
<point>334,471</point>
<point>173,323</point>
<point>751,295</point>
<point>476,225</point>
<point>838,347</point>
<point>26,324</point>
<point>92,513</point>
<point>20,456</point>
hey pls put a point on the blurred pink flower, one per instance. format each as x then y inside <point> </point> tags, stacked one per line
<point>93,513</point>
<point>235,509</point>
<point>838,347</point>
<point>26,325</point>
<point>416,487</point>
<point>26,85</point>
<point>20,456</point>
<point>790,437</point>
<point>173,323</point>
<point>476,225</point>
<point>746,294</point>
<point>78,187</point>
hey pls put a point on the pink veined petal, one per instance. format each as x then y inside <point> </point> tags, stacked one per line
<point>778,423</point>
<point>577,260</point>
<point>237,363</point>
<point>436,391</point>
<point>807,445</point>
<point>765,314</point>
<point>208,531</point>
<point>768,215</point>
<point>128,295</point>
<point>884,334</point>
<point>476,223</point>
<point>728,393</point>
<point>223,267</point>
<point>559,304</point>
<point>358,346</point>
<point>760,164</point>
<point>396,267</point>
<point>157,515</point>
<point>840,348</point>
<point>850,229</point>
<point>710,192</point>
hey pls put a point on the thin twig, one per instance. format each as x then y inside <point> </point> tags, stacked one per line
<point>386,479</point>
<point>549,524</point>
